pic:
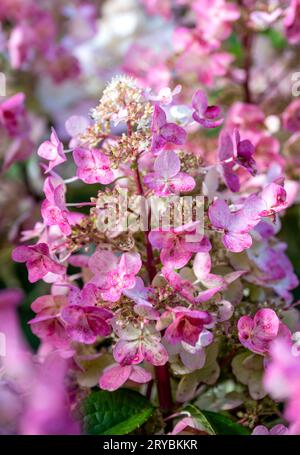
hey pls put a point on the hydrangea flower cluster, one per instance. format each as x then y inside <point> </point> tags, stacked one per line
<point>148,241</point>
<point>36,41</point>
<point>165,306</point>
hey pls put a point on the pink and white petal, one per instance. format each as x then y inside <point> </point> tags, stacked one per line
<point>100,159</point>
<point>47,150</point>
<point>153,181</point>
<point>102,261</point>
<point>199,101</point>
<point>260,430</point>
<point>175,257</point>
<point>279,429</point>
<point>54,138</point>
<point>174,332</point>
<point>237,242</point>
<point>139,294</point>
<point>59,196</point>
<point>40,248</point>
<point>213,281</point>
<point>130,263</point>
<point>206,295</point>
<point>266,324</point>
<point>140,375</point>
<point>184,423</point>
<point>245,326</point>
<point>88,175</point>
<point>193,360</point>
<point>206,122</point>
<point>202,265</point>
<point>105,176</point>
<point>22,254</point>
<point>108,295</point>
<point>225,149</point>
<point>114,377</point>
<point>36,270</point>
<point>202,245</point>
<point>161,239</point>
<point>52,266</point>
<point>233,276</point>
<point>173,133</point>
<point>153,351</point>
<point>159,117</point>
<point>182,182</point>
<point>158,142</point>
<point>167,164</point>
<point>219,214</point>
<point>128,352</point>
<point>82,157</point>
<point>41,303</point>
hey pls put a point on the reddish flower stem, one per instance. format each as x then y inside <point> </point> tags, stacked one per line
<point>162,372</point>
<point>247,42</point>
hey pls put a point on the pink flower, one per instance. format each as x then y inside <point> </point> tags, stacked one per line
<point>19,150</point>
<point>184,287</point>
<point>192,357</point>
<point>62,65</point>
<point>167,178</point>
<point>236,225</point>
<point>54,210</point>
<point>19,45</point>
<point>164,132</point>
<point>277,430</point>
<point>93,166</point>
<point>291,117</point>
<point>273,199</point>
<point>13,115</point>
<point>186,424</point>
<point>86,322</point>
<point>232,152</point>
<point>116,375</point>
<point>282,379</point>
<point>204,114</point>
<point>14,359</point>
<point>112,275</point>
<point>139,343</point>
<point>245,117</point>
<point>147,65</point>
<point>48,324</point>
<point>257,334</point>
<point>214,19</point>
<point>161,7</point>
<point>273,269</point>
<point>292,22</point>
<point>186,325</point>
<point>48,407</point>
<point>53,151</point>
<point>38,261</point>
<point>139,294</point>
<point>178,245</point>
<point>202,270</point>
<point>165,95</point>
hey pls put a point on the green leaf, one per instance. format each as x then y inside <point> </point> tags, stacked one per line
<point>277,38</point>
<point>223,424</point>
<point>115,413</point>
<point>234,46</point>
